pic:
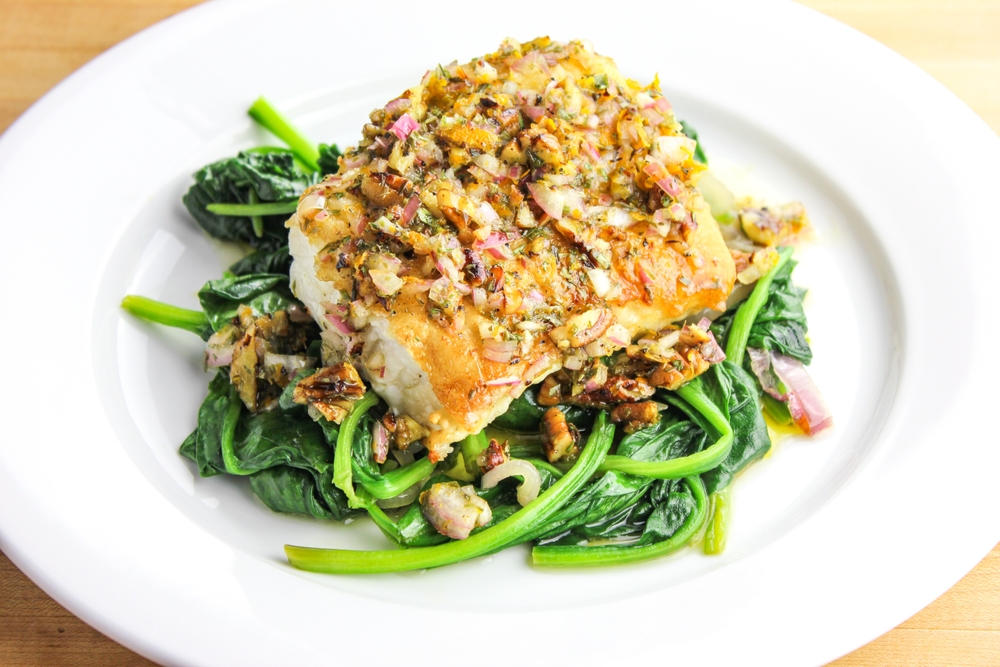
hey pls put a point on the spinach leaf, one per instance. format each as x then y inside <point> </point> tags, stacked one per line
<point>780,324</point>
<point>327,160</point>
<point>292,491</point>
<point>262,292</point>
<point>264,261</point>
<point>250,177</point>
<point>673,502</point>
<point>275,440</point>
<point>735,392</point>
<point>691,133</point>
<point>597,510</point>
<point>204,446</point>
<point>525,414</point>
<point>672,438</point>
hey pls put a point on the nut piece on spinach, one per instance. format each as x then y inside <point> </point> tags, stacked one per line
<point>559,437</point>
<point>268,352</point>
<point>454,510</point>
<point>494,455</point>
<point>331,390</point>
<point>636,416</point>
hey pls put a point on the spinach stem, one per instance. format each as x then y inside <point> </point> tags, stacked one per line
<point>472,446</point>
<point>255,209</point>
<point>380,518</point>
<point>739,331</point>
<point>582,556</point>
<point>715,536</point>
<point>256,219</point>
<point>274,122</point>
<point>394,482</point>
<point>685,466</point>
<point>545,465</point>
<point>343,473</point>
<point>508,531</point>
<point>194,321</point>
<point>228,435</point>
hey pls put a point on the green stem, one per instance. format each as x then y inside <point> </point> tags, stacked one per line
<point>343,473</point>
<point>380,518</point>
<point>472,446</point>
<point>694,464</point>
<point>509,531</point>
<point>256,219</point>
<point>194,321</point>
<point>577,556</point>
<point>272,120</point>
<point>715,536</point>
<point>739,331</point>
<point>545,465</point>
<point>394,482</point>
<point>229,422</point>
<point>255,209</point>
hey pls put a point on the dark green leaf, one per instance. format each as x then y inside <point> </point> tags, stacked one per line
<point>263,293</point>
<point>670,511</point>
<point>672,438</point>
<point>293,491</point>
<point>735,392</point>
<point>327,161</point>
<point>525,414</point>
<point>691,133</point>
<point>264,261</point>
<point>272,176</point>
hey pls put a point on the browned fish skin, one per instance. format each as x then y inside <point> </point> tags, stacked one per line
<point>499,218</point>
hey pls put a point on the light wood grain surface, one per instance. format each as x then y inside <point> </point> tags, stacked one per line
<point>956,41</point>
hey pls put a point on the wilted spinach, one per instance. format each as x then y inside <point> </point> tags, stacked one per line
<point>735,392</point>
<point>525,414</point>
<point>263,293</point>
<point>264,261</point>
<point>248,178</point>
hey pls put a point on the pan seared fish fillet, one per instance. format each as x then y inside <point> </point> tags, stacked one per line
<point>504,218</point>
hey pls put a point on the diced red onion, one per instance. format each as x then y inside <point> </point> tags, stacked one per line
<point>215,357</point>
<point>574,363</point>
<point>760,364</point>
<point>534,113</point>
<point>446,267</point>
<point>619,335</point>
<point>670,185</point>
<point>548,199</point>
<point>644,275</point>
<point>526,490</point>
<point>478,297</point>
<point>499,351</point>
<point>502,382</point>
<point>339,324</point>
<point>805,402</point>
<point>403,126</point>
<point>652,116</point>
<point>535,369</point>
<point>397,105</point>
<point>410,210</point>
<point>386,283</point>
<point>416,286</point>
<point>600,281</point>
<point>663,105</point>
<point>355,161</point>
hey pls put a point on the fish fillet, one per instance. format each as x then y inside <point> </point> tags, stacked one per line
<point>504,218</point>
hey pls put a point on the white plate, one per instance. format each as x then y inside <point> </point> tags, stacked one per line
<point>834,541</point>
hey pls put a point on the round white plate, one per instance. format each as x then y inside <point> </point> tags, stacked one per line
<point>835,540</point>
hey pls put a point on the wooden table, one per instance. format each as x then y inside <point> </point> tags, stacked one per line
<point>956,41</point>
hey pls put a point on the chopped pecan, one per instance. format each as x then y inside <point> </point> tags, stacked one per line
<point>559,437</point>
<point>408,431</point>
<point>494,455</point>
<point>636,416</point>
<point>386,189</point>
<point>331,390</point>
